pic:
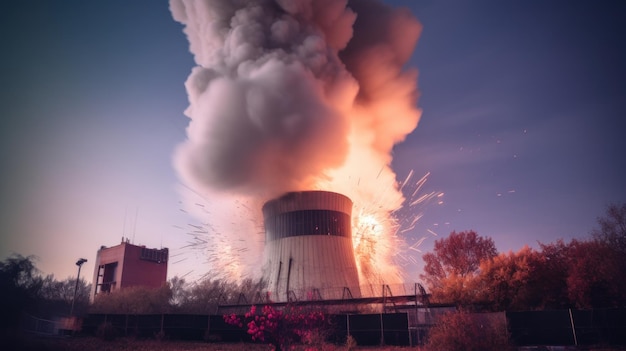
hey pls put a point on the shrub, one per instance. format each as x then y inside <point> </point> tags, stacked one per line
<point>160,335</point>
<point>284,328</point>
<point>133,300</point>
<point>350,342</point>
<point>211,337</point>
<point>106,331</point>
<point>461,331</point>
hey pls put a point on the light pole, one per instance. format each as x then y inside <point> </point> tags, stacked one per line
<point>79,263</point>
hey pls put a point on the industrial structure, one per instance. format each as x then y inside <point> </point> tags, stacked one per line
<point>127,265</point>
<point>308,247</point>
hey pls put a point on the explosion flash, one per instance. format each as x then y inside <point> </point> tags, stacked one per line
<point>380,237</point>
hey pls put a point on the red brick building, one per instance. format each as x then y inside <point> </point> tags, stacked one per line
<point>127,265</point>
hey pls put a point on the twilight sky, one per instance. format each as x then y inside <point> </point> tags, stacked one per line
<point>522,124</point>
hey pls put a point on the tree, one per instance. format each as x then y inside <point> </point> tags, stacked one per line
<point>583,274</point>
<point>552,276</point>
<point>24,290</point>
<point>612,229</point>
<point>450,269</point>
<point>206,295</point>
<point>57,295</point>
<point>134,300</point>
<point>507,282</point>
<point>594,276</point>
<point>179,291</point>
<point>20,285</point>
<point>20,272</point>
<point>63,290</point>
<point>612,234</point>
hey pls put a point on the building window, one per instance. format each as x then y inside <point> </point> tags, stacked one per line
<point>154,255</point>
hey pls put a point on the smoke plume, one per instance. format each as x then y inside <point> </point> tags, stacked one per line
<point>294,95</point>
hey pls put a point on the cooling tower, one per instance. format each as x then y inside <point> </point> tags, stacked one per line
<point>308,247</point>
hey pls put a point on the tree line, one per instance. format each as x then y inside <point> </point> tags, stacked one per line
<point>25,290</point>
<point>177,296</point>
<point>466,269</point>
<point>463,268</point>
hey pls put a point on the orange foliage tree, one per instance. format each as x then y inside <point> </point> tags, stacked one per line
<point>466,269</point>
<point>450,271</point>
<point>507,282</point>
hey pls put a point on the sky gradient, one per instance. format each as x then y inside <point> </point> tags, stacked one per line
<point>521,128</point>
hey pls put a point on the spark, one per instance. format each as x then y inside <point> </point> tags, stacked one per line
<point>415,246</point>
<point>379,234</point>
<point>379,237</point>
<point>181,260</point>
<point>186,274</point>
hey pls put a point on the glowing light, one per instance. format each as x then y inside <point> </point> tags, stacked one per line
<point>368,223</point>
<point>382,223</point>
<point>380,231</point>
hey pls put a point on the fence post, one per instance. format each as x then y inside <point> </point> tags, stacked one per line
<point>382,331</point>
<point>571,318</point>
<point>408,327</point>
<point>417,332</point>
<point>348,326</point>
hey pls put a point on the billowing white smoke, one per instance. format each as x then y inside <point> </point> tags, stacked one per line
<point>293,95</point>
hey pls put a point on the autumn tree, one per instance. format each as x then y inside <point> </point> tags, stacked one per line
<point>562,275</point>
<point>594,278</point>
<point>552,276</point>
<point>582,274</point>
<point>588,273</point>
<point>450,270</point>
<point>508,281</point>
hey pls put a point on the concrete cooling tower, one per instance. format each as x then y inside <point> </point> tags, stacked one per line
<point>308,247</point>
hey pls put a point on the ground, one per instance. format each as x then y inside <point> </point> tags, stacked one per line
<point>130,344</point>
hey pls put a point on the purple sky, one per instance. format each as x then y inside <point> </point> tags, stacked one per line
<point>521,129</point>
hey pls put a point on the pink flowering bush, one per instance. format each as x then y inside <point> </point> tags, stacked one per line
<point>281,328</point>
<point>305,324</point>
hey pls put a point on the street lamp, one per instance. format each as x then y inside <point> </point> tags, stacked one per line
<point>79,263</point>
